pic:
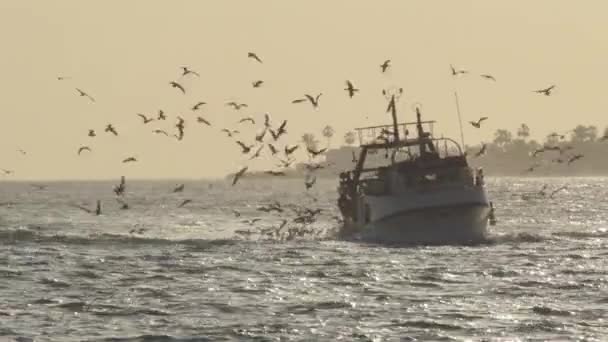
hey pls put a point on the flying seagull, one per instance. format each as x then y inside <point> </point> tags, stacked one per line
<point>546,91</point>
<point>184,203</point>
<point>179,188</point>
<point>145,119</point>
<point>82,93</point>
<point>313,100</point>
<point>238,175</point>
<point>160,131</point>
<point>456,72</point>
<point>198,105</point>
<point>246,149</point>
<point>257,153</point>
<point>482,151</point>
<point>236,106</point>
<point>229,132</point>
<point>477,124</point>
<point>161,115</point>
<point>385,65</point>
<point>187,71</point>
<point>310,181</point>
<point>488,77</point>
<point>260,136</point>
<point>84,148</point>
<point>250,119</point>
<point>92,133</point>
<point>257,83</point>
<point>178,86</point>
<point>350,89</point>
<point>314,152</point>
<point>129,160</point>
<point>111,129</point>
<point>202,120</point>
<point>254,56</point>
<point>290,150</point>
<point>575,158</point>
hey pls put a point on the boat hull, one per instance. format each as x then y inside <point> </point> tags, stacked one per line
<point>455,224</point>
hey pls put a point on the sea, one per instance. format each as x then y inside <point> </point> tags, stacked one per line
<point>158,272</point>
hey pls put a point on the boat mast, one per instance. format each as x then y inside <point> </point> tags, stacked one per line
<point>459,119</point>
<point>394,114</point>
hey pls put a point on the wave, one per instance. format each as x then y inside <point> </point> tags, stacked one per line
<point>154,338</point>
<point>425,324</point>
<point>547,311</point>
<point>521,237</point>
<point>583,235</point>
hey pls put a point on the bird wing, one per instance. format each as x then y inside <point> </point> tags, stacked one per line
<point>282,127</point>
<point>349,85</point>
<point>310,98</point>
<point>482,119</point>
<point>298,100</point>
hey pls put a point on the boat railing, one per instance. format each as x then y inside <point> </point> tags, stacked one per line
<point>375,134</point>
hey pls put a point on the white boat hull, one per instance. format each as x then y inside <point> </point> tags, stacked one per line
<point>449,225</point>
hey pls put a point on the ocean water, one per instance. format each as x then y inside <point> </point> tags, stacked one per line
<point>156,272</point>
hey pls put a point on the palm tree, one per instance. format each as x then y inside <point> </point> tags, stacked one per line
<point>349,138</point>
<point>328,132</point>
<point>310,141</point>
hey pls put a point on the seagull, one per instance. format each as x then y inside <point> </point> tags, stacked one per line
<point>260,136</point>
<point>184,203</point>
<point>257,152</point>
<point>7,172</point>
<point>179,188</point>
<point>275,173</point>
<point>129,160</point>
<point>198,105</point>
<point>229,132</point>
<point>123,205</point>
<point>546,91</point>
<point>290,150</point>
<point>350,89</point>
<point>250,119</point>
<point>554,192</point>
<point>119,189</point>
<point>187,71</point>
<point>276,135</point>
<point>92,133</point>
<point>236,213</point>
<point>456,72</point>
<point>97,210</point>
<point>82,93</point>
<point>161,115</point>
<point>61,78</point>
<point>160,131</point>
<point>285,163</point>
<point>488,77</point>
<point>111,129</point>
<point>238,175</point>
<point>273,149</point>
<point>385,65</point>
<point>257,83</point>
<point>21,151</point>
<point>202,120</point>
<point>266,120</point>
<point>178,86</point>
<point>145,119</point>
<point>314,152</point>
<point>252,221</point>
<point>84,148</point>
<point>314,101</point>
<point>236,106</point>
<point>482,151</point>
<point>180,128</point>
<point>310,181</point>
<point>478,123</point>
<point>575,158</point>
<point>246,149</point>
<point>254,56</point>
<point>299,100</point>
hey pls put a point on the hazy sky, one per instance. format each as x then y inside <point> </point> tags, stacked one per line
<point>124,53</point>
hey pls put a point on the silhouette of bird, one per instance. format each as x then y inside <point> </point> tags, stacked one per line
<point>129,160</point>
<point>546,91</point>
<point>111,129</point>
<point>285,163</point>
<point>184,203</point>
<point>21,151</point>
<point>198,105</point>
<point>275,173</point>
<point>280,131</point>
<point>229,132</point>
<point>310,182</point>
<point>350,89</point>
<point>314,153</point>
<point>160,131</point>
<point>120,189</point>
<point>477,124</point>
<point>180,127</point>
<point>260,136</point>
<point>575,158</point>
<point>202,120</point>
<point>82,93</point>
<point>273,149</point>
<point>178,86</point>
<point>7,172</point>
<point>257,83</point>
<point>238,175</point>
<point>145,119</point>
<point>123,205</point>
<point>488,77</point>
<point>554,192</point>
<point>384,66</point>
<point>179,188</point>
<point>84,148</point>
<point>161,115</point>
<point>187,71</point>
<point>92,133</point>
<point>266,120</point>
<point>246,149</point>
<point>236,213</point>
<point>247,119</point>
<point>456,72</point>
<point>481,151</point>
<point>299,100</point>
<point>254,56</point>
<point>314,101</point>
<point>290,150</point>
<point>62,78</point>
<point>236,106</point>
<point>97,210</point>
<point>257,152</point>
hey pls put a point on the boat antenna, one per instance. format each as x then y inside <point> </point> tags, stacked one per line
<point>393,96</point>
<point>459,119</point>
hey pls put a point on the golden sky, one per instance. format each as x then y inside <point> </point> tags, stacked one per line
<point>124,53</point>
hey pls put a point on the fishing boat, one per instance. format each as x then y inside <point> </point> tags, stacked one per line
<point>413,189</point>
